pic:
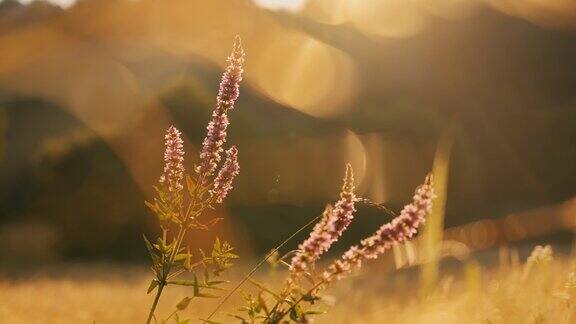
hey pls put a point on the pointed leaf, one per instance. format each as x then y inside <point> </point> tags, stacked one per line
<point>205,295</point>
<point>183,303</point>
<point>314,312</point>
<point>154,252</point>
<point>192,283</point>
<point>181,257</point>
<point>296,313</point>
<point>153,206</point>
<point>183,321</point>
<point>153,285</point>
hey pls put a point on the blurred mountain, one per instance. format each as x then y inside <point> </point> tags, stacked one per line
<point>14,15</point>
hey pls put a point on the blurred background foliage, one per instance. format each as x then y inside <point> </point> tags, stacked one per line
<point>88,88</point>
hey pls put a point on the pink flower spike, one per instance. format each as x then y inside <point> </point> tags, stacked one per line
<point>173,174</point>
<point>228,93</point>
<point>399,230</point>
<point>229,89</point>
<point>224,179</point>
<point>334,222</point>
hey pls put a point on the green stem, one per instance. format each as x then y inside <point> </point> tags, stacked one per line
<point>155,303</point>
<point>179,238</point>
<point>162,281</point>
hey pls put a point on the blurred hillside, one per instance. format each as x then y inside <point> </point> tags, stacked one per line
<point>86,94</point>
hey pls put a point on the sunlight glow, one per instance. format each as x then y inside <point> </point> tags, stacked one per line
<point>303,73</point>
<point>277,5</point>
<point>60,3</point>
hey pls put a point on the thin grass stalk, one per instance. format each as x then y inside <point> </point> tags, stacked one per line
<point>432,236</point>
<point>259,264</point>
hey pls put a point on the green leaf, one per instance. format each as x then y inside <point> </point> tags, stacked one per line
<point>192,283</point>
<point>181,321</point>
<point>310,298</point>
<point>230,255</point>
<point>181,257</point>
<point>153,284</point>
<point>296,313</point>
<point>183,303</point>
<point>153,206</point>
<point>161,244</point>
<point>314,312</point>
<point>197,292</point>
<point>205,295</point>
<point>154,252</point>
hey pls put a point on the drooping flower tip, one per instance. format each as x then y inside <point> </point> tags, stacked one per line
<point>334,222</point>
<point>226,175</point>
<point>173,174</point>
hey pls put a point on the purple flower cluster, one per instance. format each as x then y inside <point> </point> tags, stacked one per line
<point>229,89</point>
<point>334,222</point>
<point>228,92</point>
<point>229,171</point>
<point>400,229</point>
<point>173,174</point>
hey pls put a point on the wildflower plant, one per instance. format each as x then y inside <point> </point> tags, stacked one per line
<point>301,290</point>
<point>182,199</point>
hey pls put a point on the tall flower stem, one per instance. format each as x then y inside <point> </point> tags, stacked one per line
<point>155,303</point>
<point>162,282</point>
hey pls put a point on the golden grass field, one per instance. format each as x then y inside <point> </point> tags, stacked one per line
<point>539,291</point>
